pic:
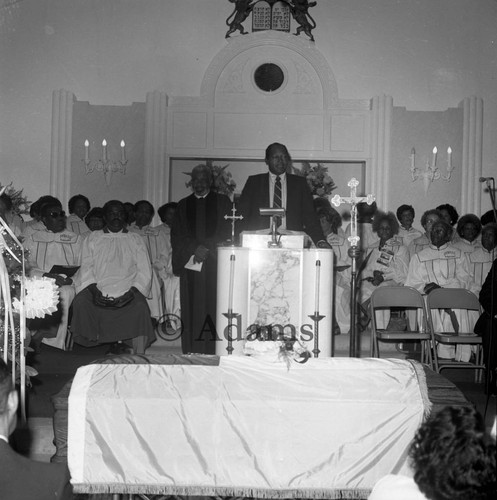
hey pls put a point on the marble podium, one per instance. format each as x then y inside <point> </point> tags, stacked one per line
<point>286,289</point>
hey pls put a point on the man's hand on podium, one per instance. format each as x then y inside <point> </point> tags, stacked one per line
<point>323,244</point>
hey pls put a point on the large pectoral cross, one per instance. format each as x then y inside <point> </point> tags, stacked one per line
<point>233,217</point>
<point>353,200</point>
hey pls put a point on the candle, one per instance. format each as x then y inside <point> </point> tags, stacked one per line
<point>87,151</point>
<point>413,155</point>
<point>104,150</point>
<point>316,294</point>
<point>232,278</point>
<point>449,157</point>
<point>434,158</point>
<point>123,152</point>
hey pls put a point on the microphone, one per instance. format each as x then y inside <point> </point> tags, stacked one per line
<point>486,179</point>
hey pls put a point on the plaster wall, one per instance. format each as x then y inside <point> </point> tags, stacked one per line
<point>426,55</point>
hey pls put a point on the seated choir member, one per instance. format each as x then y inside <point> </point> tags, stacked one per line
<point>95,219</point>
<point>79,206</point>
<point>408,233</point>
<point>53,245</point>
<point>427,221</point>
<point>156,245</point>
<point>331,222</point>
<point>20,477</point>
<point>115,279</point>
<point>468,231</point>
<point>164,269</point>
<point>488,216</point>
<point>35,223</point>
<point>452,457</point>
<point>442,265</point>
<point>450,216</point>
<point>386,262</point>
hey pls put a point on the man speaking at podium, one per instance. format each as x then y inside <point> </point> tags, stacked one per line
<point>279,189</point>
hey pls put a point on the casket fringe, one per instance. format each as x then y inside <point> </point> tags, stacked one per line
<point>147,489</point>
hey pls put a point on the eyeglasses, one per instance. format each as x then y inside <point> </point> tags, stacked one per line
<point>54,215</point>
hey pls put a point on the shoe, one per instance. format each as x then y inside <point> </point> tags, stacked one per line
<point>118,348</point>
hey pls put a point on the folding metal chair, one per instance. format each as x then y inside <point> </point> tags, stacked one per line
<point>448,299</point>
<point>409,298</point>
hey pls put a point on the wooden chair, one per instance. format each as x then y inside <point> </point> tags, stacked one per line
<point>455,298</point>
<point>404,297</point>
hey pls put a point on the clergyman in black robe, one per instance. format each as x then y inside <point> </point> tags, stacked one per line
<point>199,226</point>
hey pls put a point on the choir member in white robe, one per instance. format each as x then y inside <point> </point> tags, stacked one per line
<point>79,206</point>
<point>115,279</point>
<point>386,262</point>
<point>443,265</point>
<point>156,245</point>
<point>427,221</point>
<point>164,268</point>
<point>408,233</point>
<point>47,247</point>
<point>468,231</point>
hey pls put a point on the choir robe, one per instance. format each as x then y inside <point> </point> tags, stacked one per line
<point>169,282</point>
<point>156,246</point>
<point>115,262</point>
<point>76,225</point>
<point>480,263</point>
<point>418,244</point>
<point>409,235</point>
<point>448,267</point>
<point>199,222</point>
<point>340,246</point>
<point>392,259</point>
<point>47,249</point>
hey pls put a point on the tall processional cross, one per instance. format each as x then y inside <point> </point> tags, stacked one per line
<point>353,200</point>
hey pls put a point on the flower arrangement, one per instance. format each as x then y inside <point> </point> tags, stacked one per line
<point>20,203</point>
<point>40,298</point>
<point>222,180</point>
<point>261,342</point>
<point>319,181</point>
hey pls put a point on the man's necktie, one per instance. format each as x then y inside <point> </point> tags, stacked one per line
<point>277,193</point>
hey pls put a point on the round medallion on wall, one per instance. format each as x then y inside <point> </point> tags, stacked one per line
<point>269,77</point>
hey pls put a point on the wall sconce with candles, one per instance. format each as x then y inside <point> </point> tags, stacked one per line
<point>105,165</point>
<point>431,172</point>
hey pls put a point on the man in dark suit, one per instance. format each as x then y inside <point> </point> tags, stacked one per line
<point>20,477</point>
<point>293,194</point>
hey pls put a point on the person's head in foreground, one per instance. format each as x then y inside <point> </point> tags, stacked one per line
<point>453,458</point>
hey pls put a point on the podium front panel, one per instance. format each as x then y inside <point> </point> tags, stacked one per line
<point>275,288</point>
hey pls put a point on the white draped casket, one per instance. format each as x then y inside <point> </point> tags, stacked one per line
<point>329,428</point>
<point>278,288</point>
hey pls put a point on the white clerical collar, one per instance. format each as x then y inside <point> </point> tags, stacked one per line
<point>201,197</point>
<point>4,438</point>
